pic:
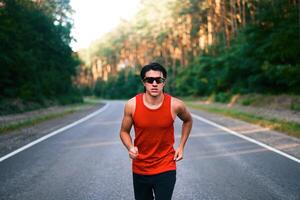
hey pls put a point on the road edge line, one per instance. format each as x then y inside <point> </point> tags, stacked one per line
<point>53,133</point>
<point>246,138</point>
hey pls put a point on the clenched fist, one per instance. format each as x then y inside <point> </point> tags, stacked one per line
<point>133,152</point>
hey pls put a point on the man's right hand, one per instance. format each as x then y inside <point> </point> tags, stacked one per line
<point>133,152</point>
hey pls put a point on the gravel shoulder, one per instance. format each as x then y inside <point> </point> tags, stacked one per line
<point>269,113</point>
<point>275,139</point>
<point>10,141</point>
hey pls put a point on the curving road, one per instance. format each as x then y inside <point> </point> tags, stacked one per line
<point>88,161</point>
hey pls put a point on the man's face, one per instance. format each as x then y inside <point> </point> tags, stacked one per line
<point>154,82</point>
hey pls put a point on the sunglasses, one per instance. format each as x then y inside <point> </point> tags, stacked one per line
<point>158,80</point>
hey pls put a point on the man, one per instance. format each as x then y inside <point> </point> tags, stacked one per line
<point>153,156</point>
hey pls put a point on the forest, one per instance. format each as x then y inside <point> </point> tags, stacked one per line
<point>221,47</point>
<point>38,66</point>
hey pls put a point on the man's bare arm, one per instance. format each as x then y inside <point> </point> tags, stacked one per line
<point>185,116</point>
<point>125,130</point>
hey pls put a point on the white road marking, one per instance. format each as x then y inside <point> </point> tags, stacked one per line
<point>246,138</point>
<point>53,133</point>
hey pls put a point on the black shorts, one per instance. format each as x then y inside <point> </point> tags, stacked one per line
<point>160,185</point>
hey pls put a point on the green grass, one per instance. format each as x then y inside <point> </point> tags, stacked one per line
<point>90,100</point>
<point>36,120</point>
<point>295,106</point>
<point>290,128</point>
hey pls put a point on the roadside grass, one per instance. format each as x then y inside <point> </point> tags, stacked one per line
<point>290,128</point>
<point>88,102</point>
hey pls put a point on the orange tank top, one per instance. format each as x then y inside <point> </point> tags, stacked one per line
<point>154,137</point>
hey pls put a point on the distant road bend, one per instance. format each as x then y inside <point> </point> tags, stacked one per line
<point>88,161</point>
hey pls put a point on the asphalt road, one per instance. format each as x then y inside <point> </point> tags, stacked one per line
<point>88,161</point>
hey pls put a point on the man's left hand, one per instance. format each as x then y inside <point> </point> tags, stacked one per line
<point>178,154</point>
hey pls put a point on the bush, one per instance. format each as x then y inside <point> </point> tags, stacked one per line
<point>222,97</point>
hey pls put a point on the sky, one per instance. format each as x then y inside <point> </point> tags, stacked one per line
<point>94,18</point>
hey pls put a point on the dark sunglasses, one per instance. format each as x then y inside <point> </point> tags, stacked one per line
<point>158,80</point>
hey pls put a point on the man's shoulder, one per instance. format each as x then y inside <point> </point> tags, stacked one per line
<point>176,101</point>
<point>130,105</point>
<point>177,104</point>
<point>130,102</point>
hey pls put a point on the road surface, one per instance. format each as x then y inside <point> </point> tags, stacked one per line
<point>88,161</point>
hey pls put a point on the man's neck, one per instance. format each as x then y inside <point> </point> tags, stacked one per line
<point>153,100</point>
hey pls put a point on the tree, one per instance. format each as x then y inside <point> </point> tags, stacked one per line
<point>36,59</point>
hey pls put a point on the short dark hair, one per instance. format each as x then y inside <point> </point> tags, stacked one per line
<point>155,67</point>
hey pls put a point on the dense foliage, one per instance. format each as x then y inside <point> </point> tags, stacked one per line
<point>263,58</point>
<point>209,47</point>
<point>36,60</point>
<point>126,85</point>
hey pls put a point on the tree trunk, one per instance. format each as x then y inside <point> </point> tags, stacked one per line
<point>224,22</point>
<point>244,13</point>
<point>210,23</point>
<point>299,16</point>
<point>233,17</point>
